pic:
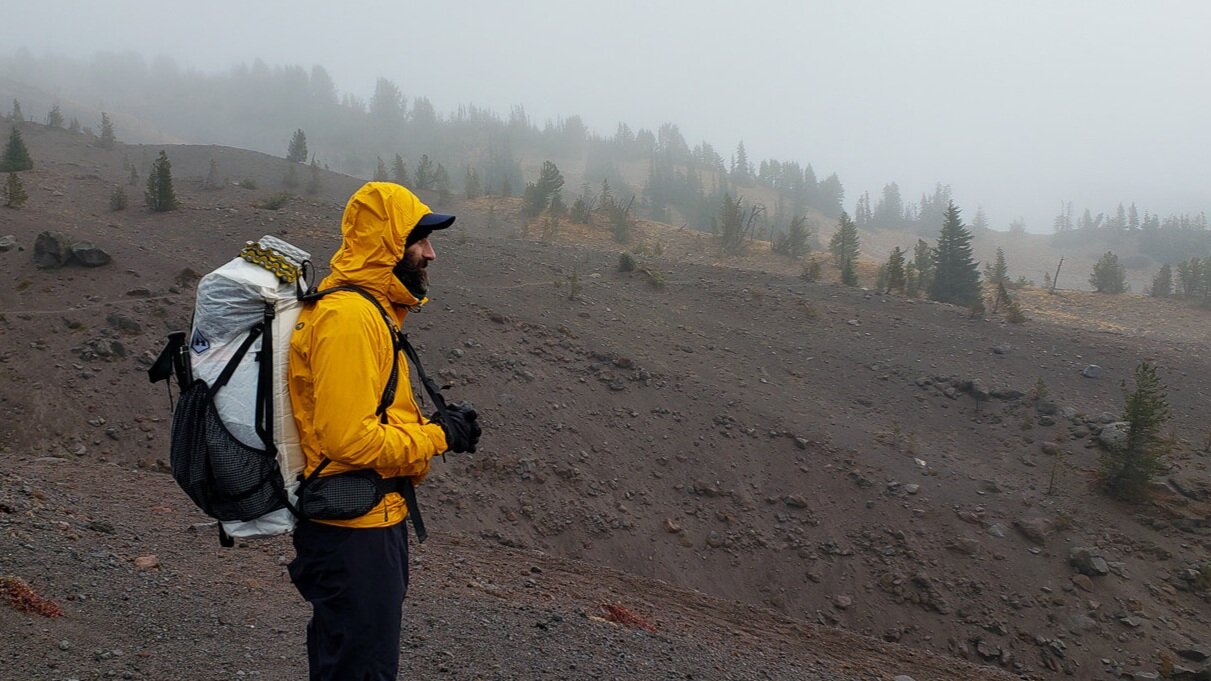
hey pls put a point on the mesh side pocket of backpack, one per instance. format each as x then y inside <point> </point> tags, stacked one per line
<point>343,496</point>
<point>225,477</point>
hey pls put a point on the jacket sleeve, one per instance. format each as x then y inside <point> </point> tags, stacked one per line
<point>347,360</point>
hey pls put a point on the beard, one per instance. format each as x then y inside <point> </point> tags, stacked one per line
<point>412,274</point>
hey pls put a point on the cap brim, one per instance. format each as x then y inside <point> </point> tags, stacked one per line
<point>435,221</point>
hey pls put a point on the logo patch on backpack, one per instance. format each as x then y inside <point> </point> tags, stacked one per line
<point>199,344</point>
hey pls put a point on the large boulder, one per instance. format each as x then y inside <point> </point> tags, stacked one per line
<point>88,255</point>
<point>52,250</point>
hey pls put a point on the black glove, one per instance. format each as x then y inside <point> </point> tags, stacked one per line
<point>461,425</point>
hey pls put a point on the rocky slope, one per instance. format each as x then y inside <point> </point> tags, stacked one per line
<point>842,458</point>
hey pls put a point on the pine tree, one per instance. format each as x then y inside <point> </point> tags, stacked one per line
<point>14,192</point>
<point>998,272</point>
<point>896,280</point>
<point>160,196</point>
<point>1162,283</point>
<point>1128,468</point>
<point>606,200</point>
<point>296,152</point>
<point>16,116</point>
<point>441,183</point>
<point>133,178</point>
<point>380,171</point>
<point>845,246</point>
<point>16,156</point>
<point>424,173</point>
<point>117,199</point>
<point>923,263</point>
<point>54,119</point>
<point>795,241</point>
<point>980,223</point>
<point>1108,275</point>
<point>580,211</point>
<point>107,132</point>
<point>471,188</point>
<point>557,208</point>
<point>399,171</point>
<point>538,194</point>
<point>74,126</point>
<point>956,277</point>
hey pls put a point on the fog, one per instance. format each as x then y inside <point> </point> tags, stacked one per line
<point>1016,105</point>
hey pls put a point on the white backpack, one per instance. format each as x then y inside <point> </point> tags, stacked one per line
<point>235,447</point>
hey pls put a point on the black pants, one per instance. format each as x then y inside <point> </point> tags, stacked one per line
<point>355,580</point>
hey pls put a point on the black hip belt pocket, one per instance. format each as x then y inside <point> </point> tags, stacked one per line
<point>343,496</point>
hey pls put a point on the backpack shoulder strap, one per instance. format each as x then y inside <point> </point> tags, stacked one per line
<point>388,395</point>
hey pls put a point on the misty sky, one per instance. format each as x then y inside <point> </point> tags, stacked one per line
<point>1016,104</point>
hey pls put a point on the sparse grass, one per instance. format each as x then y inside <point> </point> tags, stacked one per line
<point>1014,313</point>
<point>1039,391</point>
<point>811,271</point>
<point>247,183</point>
<point>1203,581</point>
<point>655,276</point>
<point>275,201</point>
<point>626,262</point>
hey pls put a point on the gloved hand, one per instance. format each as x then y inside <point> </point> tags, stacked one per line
<point>461,425</point>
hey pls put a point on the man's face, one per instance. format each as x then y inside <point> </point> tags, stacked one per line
<point>411,270</point>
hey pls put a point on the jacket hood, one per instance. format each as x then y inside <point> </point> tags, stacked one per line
<point>374,227</point>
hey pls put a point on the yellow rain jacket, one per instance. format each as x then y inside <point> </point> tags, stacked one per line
<point>340,356</point>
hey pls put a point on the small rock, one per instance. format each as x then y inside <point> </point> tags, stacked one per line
<point>147,562</point>
<point>843,602</point>
<point>1002,349</point>
<point>1083,583</point>
<point>1092,371</point>
<point>100,526</point>
<point>1046,408</point>
<point>1050,448</point>
<point>912,488</point>
<point>124,323</point>
<point>1197,652</point>
<point>64,645</point>
<point>672,526</point>
<point>853,322</point>
<point>795,501</point>
<point>7,243</point>
<point>1046,421</point>
<point>1007,394</point>
<point>997,530</point>
<point>964,545</point>
<point>1035,528</point>
<point>1088,562</point>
